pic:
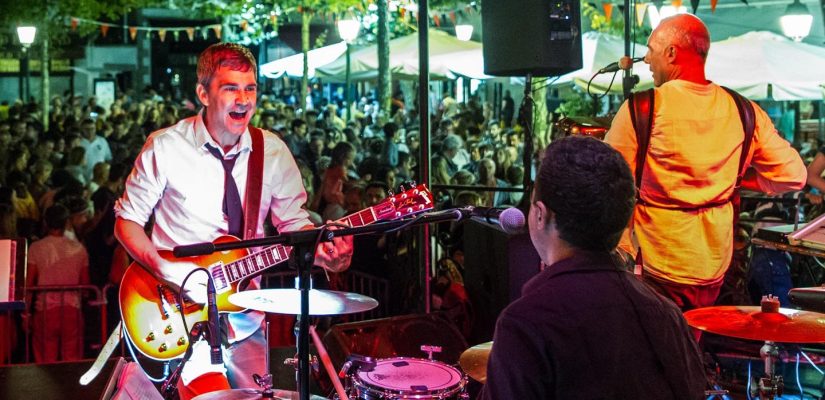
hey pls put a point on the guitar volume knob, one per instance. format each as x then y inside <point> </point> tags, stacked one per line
<point>181,341</point>
<point>163,347</point>
<point>168,329</point>
<point>150,337</point>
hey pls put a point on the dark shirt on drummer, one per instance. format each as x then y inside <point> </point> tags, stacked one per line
<point>584,330</point>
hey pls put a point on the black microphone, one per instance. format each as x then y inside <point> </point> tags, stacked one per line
<point>623,63</point>
<point>510,219</point>
<point>214,321</point>
<point>197,249</point>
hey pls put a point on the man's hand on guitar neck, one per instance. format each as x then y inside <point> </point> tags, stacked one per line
<point>334,256</point>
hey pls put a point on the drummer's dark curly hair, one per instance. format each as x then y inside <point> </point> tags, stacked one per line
<point>590,189</point>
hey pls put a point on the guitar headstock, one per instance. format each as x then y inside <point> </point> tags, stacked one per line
<point>410,201</point>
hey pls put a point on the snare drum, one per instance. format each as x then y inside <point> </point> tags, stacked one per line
<point>409,378</point>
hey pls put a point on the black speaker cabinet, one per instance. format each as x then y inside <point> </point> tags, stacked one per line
<point>496,266</point>
<point>538,37</point>
<point>400,336</point>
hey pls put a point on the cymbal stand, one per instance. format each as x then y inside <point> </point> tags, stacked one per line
<point>770,385</point>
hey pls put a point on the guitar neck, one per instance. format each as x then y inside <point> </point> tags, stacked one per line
<point>273,255</point>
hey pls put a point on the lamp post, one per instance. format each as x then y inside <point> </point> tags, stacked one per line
<point>796,22</point>
<point>348,31</point>
<point>26,36</point>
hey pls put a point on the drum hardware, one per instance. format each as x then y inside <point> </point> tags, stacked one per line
<point>768,323</point>
<point>430,349</point>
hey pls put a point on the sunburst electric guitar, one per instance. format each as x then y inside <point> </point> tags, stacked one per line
<point>152,316</point>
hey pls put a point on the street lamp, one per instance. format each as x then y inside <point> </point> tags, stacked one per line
<point>463,32</point>
<point>796,23</point>
<point>348,31</point>
<point>26,36</point>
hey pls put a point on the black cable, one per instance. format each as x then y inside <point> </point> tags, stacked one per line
<point>607,91</point>
<point>180,297</point>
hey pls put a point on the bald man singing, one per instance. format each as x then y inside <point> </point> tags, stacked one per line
<point>683,220</point>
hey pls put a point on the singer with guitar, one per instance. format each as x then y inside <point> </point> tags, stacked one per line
<point>206,177</point>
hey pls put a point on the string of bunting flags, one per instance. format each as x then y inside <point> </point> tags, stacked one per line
<point>437,18</point>
<point>641,8</point>
<point>190,31</point>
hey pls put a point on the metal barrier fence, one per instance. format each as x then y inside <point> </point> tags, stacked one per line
<point>54,331</point>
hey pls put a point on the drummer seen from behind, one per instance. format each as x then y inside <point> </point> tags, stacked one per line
<point>584,328</point>
<point>179,178</point>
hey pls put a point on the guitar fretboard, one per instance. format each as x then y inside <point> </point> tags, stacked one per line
<point>261,260</point>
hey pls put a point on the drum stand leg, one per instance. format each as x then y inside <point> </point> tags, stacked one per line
<point>770,385</point>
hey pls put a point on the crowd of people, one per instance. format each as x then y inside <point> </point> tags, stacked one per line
<point>78,167</point>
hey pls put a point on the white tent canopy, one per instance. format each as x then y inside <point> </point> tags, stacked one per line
<point>759,65</point>
<point>599,50</point>
<point>448,57</point>
<point>763,65</point>
<point>293,65</point>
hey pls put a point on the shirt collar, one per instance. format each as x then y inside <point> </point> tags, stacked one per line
<point>578,262</point>
<point>202,138</point>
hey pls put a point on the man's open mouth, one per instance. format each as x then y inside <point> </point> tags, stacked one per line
<point>237,115</point>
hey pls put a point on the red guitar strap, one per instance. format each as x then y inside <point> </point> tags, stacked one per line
<point>254,180</point>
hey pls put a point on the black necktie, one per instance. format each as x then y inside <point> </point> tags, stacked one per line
<point>232,206</point>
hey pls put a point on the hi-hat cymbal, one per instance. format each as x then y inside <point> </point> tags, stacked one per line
<point>749,322</point>
<point>473,361</point>
<point>251,394</point>
<point>288,301</point>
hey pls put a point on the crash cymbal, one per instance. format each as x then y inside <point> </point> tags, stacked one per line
<point>251,394</point>
<point>750,322</point>
<point>288,301</point>
<point>474,361</point>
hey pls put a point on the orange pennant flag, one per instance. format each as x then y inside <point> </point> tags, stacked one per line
<point>608,10</point>
<point>273,19</point>
<point>244,24</point>
<point>452,17</point>
<point>676,3</point>
<point>104,29</point>
<point>713,5</point>
<point>437,20</point>
<point>162,35</point>
<point>217,29</point>
<point>74,24</point>
<point>190,32</point>
<point>402,11</point>
<point>641,8</point>
<point>133,32</point>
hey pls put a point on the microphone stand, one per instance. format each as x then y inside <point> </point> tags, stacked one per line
<point>303,245</point>
<point>628,79</point>
<point>169,387</point>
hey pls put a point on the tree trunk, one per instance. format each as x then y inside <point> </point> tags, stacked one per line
<point>540,125</point>
<point>384,73</point>
<point>44,79</point>
<point>306,18</point>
